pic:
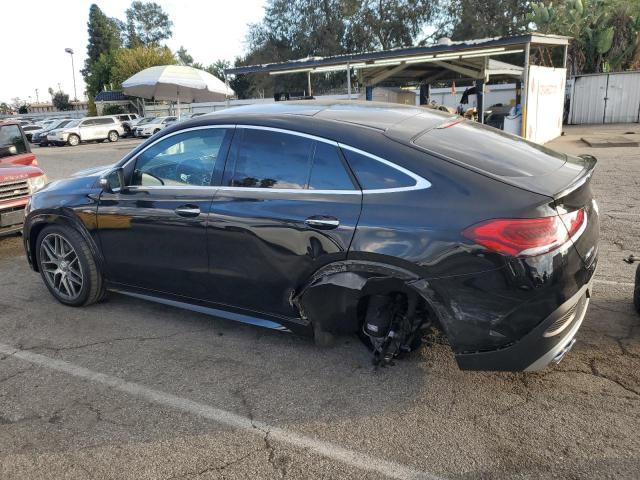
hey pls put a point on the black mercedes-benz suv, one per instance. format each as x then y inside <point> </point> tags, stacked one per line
<point>324,218</point>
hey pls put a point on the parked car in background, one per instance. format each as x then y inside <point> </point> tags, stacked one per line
<point>29,130</point>
<point>316,218</point>
<point>127,120</point>
<point>40,137</point>
<point>19,177</point>
<point>86,130</point>
<point>153,126</point>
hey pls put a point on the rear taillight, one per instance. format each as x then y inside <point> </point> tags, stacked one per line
<point>527,237</point>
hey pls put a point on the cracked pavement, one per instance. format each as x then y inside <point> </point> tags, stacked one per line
<point>579,419</point>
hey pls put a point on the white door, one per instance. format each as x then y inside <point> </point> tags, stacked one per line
<point>87,130</point>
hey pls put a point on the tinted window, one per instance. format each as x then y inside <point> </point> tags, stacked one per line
<point>104,121</point>
<point>88,123</point>
<point>267,159</point>
<point>491,150</point>
<point>11,136</point>
<point>327,170</point>
<point>184,159</point>
<point>373,174</point>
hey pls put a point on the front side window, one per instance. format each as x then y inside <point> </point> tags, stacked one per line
<point>88,123</point>
<point>268,159</point>
<point>375,175</point>
<point>11,141</point>
<point>184,159</point>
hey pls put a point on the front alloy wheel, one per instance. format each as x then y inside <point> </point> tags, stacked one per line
<point>67,266</point>
<point>61,266</point>
<point>113,136</point>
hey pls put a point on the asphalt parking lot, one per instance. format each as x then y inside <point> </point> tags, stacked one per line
<point>130,389</point>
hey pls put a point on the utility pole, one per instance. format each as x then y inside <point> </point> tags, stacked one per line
<point>73,70</point>
<point>37,97</point>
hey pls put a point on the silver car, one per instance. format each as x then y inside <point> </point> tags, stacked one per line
<point>153,126</point>
<point>88,129</point>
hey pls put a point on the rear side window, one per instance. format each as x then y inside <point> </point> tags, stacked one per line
<point>373,174</point>
<point>104,121</point>
<point>327,169</point>
<point>267,159</point>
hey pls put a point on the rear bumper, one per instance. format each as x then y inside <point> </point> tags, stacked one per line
<point>545,344</point>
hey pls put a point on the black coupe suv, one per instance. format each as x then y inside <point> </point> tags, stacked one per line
<point>323,218</point>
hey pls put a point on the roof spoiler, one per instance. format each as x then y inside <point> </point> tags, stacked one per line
<point>584,176</point>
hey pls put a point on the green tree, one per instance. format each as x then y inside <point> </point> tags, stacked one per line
<point>23,109</point>
<point>375,24</point>
<point>104,37</point>
<point>183,56</point>
<point>129,61</point>
<point>468,19</point>
<point>99,77</point>
<point>606,33</point>
<point>293,29</point>
<point>60,100</point>
<point>147,24</point>
<point>217,68</point>
<point>4,109</point>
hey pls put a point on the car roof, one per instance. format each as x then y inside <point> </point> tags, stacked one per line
<point>333,119</point>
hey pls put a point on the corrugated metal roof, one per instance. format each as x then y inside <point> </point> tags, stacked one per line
<point>446,47</point>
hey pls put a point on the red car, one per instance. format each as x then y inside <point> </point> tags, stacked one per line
<point>19,176</point>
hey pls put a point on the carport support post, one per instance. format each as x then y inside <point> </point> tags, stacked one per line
<point>309,84</point>
<point>349,79</point>
<point>480,100</point>
<point>369,93</point>
<point>425,93</point>
<point>525,86</point>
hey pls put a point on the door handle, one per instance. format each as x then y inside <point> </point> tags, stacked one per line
<point>187,211</point>
<point>322,222</point>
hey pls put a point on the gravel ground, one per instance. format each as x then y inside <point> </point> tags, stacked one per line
<point>130,389</point>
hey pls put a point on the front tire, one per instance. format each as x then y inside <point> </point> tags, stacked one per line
<point>73,140</point>
<point>68,268</point>
<point>113,136</point>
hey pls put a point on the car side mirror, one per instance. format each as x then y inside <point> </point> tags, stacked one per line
<point>113,182</point>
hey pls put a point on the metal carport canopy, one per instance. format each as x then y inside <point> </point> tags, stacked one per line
<point>467,58</point>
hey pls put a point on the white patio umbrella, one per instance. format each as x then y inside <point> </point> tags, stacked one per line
<point>176,83</point>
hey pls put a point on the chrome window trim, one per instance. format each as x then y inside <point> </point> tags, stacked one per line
<point>421,183</point>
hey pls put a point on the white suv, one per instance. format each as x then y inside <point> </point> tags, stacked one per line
<point>88,129</point>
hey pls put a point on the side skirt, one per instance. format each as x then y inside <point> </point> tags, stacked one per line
<point>216,312</point>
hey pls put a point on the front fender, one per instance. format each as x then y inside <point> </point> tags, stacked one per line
<point>81,221</point>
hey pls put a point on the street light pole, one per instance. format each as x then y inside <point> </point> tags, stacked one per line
<point>73,70</point>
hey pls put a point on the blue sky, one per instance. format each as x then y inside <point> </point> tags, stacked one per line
<point>35,34</point>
